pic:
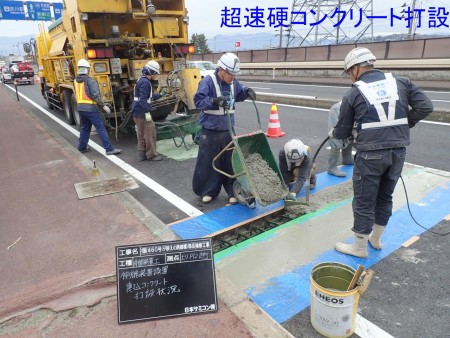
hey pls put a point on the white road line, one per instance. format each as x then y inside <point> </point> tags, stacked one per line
<point>147,181</point>
<point>327,110</point>
<point>366,329</point>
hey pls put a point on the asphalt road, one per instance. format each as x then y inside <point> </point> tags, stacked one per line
<point>401,296</point>
<point>429,142</point>
<point>440,99</point>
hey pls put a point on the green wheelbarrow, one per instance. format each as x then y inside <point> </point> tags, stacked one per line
<point>258,177</point>
<point>177,128</point>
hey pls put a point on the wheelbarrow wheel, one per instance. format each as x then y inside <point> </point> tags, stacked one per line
<point>242,196</point>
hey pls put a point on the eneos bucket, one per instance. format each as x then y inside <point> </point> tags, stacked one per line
<point>333,308</point>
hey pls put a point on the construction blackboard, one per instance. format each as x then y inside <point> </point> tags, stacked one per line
<point>165,279</point>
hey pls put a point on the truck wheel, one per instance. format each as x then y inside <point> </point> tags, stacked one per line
<point>76,115</point>
<point>47,98</point>
<point>67,104</point>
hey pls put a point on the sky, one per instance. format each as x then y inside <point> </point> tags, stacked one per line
<point>205,17</point>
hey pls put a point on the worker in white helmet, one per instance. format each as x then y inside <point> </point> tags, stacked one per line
<point>295,162</point>
<point>141,109</point>
<point>89,102</point>
<point>215,98</point>
<point>377,107</point>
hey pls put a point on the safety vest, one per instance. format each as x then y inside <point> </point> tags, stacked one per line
<point>376,93</point>
<point>136,98</point>
<point>80,94</point>
<point>219,93</point>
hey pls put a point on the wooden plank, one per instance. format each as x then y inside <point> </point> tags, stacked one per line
<point>410,241</point>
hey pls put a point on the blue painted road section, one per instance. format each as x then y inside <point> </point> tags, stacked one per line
<point>225,217</point>
<point>286,295</point>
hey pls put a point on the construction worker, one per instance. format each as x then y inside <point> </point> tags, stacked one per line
<point>377,107</point>
<point>215,98</point>
<point>89,102</point>
<point>338,147</point>
<point>141,106</point>
<point>295,162</point>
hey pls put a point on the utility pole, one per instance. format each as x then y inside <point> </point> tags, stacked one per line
<point>412,29</point>
<point>281,37</point>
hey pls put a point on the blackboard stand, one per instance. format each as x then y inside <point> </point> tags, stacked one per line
<point>165,279</point>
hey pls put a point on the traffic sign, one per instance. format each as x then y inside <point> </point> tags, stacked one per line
<point>12,10</point>
<point>39,11</point>
<point>57,10</point>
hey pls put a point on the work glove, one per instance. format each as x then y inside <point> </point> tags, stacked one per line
<point>148,117</point>
<point>291,196</point>
<point>221,102</point>
<point>251,94</point>
<point>330,133</point>
<point>106,109</point>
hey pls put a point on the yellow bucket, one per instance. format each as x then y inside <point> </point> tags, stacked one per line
<point>333,308</point>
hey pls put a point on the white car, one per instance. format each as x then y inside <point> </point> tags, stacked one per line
<point>6,76</point>
<point>206,67</point>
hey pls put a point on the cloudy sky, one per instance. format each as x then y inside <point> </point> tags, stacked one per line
<point>206,17</point>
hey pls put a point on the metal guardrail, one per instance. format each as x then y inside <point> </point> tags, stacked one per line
<point>431,53</point>
<point>425,64</point>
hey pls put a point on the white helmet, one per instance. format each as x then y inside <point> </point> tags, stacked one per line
<point>359,55</point>
<point>83,66</point>
<point>295,150</point>
<point>230,62</point>
<point>153,67</point>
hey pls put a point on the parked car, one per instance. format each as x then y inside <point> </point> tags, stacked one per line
<point>206,67</point>
<point>6,76</point>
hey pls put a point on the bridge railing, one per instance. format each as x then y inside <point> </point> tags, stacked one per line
<point>434,48</point>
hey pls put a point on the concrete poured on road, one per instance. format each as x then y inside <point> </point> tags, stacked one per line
<point>274,269</point>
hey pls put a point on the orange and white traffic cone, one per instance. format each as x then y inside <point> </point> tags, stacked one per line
<point>274,124</point>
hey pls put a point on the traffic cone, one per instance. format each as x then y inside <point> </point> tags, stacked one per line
<point>274,124</point>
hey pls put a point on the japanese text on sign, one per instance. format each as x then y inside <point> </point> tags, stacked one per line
<point>164,279</point>
<point>432,17</point>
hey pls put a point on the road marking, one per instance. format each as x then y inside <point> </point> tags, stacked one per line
<point>366,329</point>
<point>327,110</point>
<point>147,181</point>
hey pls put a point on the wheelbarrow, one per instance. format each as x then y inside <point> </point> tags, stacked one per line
<point>177,129</point>
<point>258,177</point>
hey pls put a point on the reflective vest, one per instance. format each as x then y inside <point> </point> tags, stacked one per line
<point>376,93</point>
<point>80,94</point>
<point>136,98</point>
<point>219,93</point>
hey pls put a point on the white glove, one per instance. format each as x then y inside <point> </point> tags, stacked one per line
<point>291,196</point>
<point>106,109</point>
<point>330,133</point>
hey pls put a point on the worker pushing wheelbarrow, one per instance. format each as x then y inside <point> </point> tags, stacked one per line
<point>258,177</point>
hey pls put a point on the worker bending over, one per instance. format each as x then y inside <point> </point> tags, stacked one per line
<point>377,105</point>
<point>295,161</point>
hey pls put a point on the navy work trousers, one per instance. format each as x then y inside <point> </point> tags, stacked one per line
<point>375,176</point>
<point>87,119</point>
<point>206,180</point>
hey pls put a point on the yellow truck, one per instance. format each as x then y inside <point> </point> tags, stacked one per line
<point>118,38</point>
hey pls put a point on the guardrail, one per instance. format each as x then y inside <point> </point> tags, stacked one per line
<point>434,48</point>
<point>425,59</point>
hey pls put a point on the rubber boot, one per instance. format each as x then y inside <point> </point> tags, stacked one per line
<point>141,156</point>
<point>358,249</point>
<point>375,236</point>
<point>332,163</point>
<point>347,156</point>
